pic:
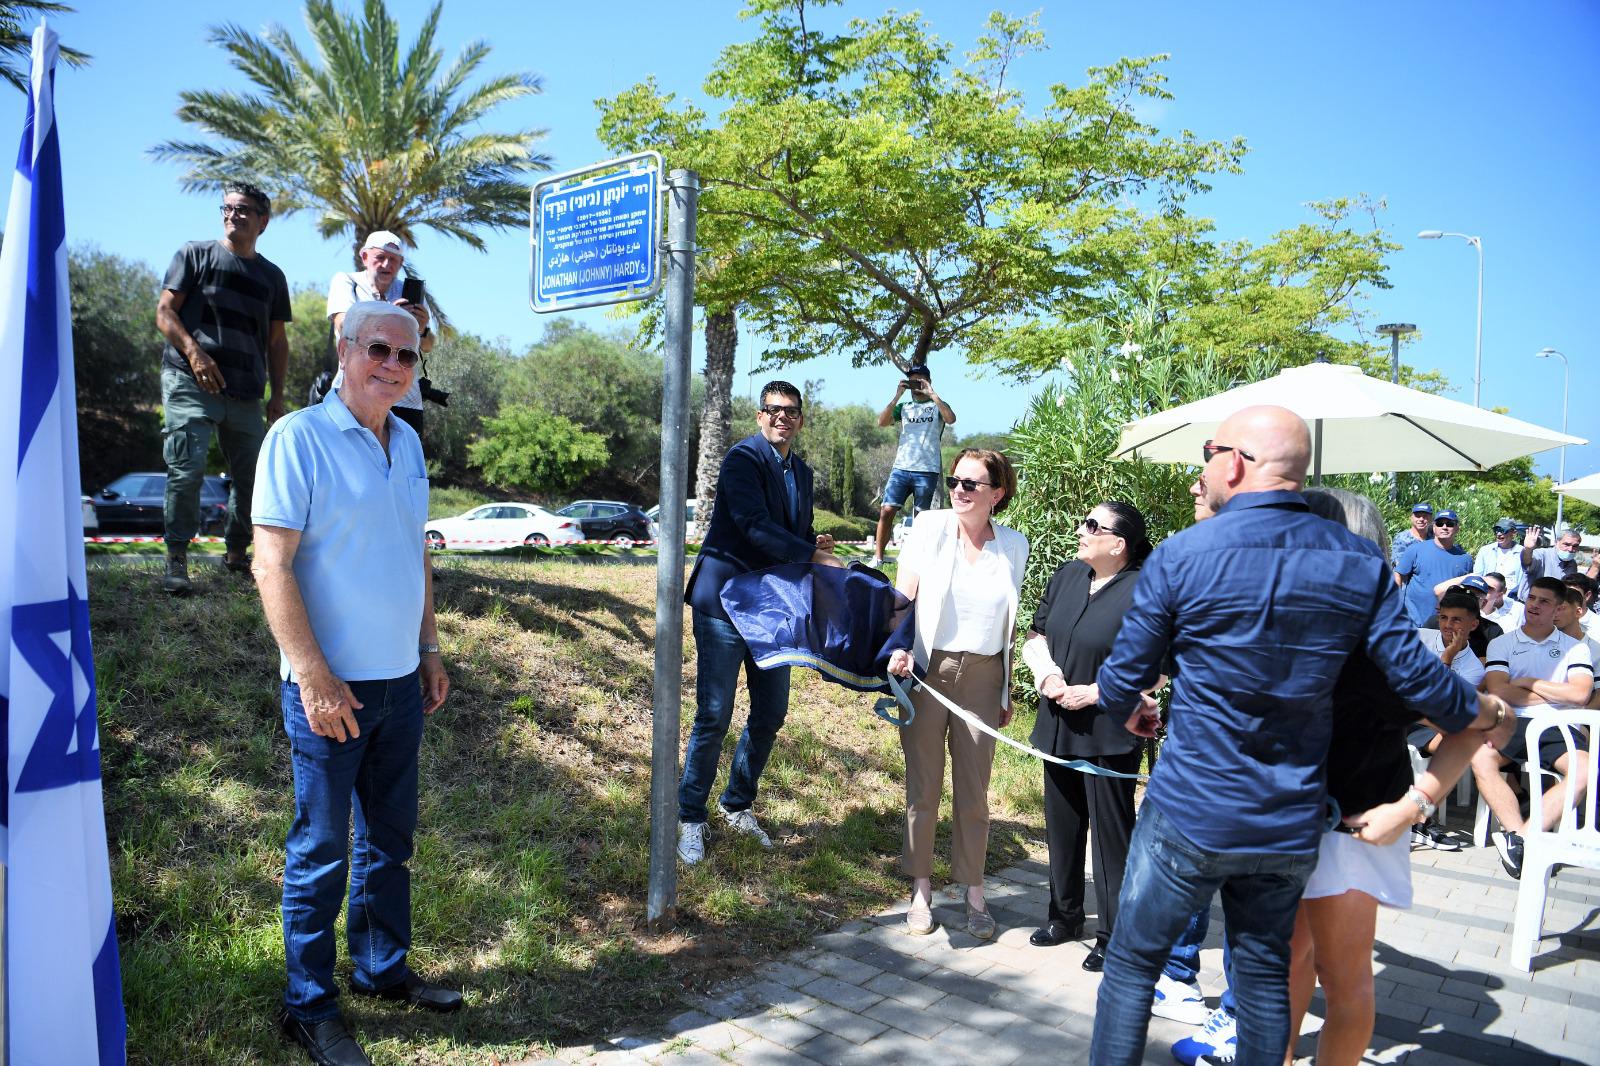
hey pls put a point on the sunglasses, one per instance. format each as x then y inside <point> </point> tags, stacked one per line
<point>379,352</point>
<point>1210,450</point>
<point>773,410</point>
<point>1446,523</point>
<point>967,484</point>
<point>1095,529</point>
<point>241,210</point>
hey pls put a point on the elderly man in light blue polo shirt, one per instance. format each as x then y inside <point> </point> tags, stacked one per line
<point>341,496</point>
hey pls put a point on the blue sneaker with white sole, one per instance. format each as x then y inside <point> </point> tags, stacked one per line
<point>1214,1041</point>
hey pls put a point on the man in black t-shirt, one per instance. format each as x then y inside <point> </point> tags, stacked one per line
<point>222,310</point>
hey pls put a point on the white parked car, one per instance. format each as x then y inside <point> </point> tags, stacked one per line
<point>501,525</point>
<point>655,519</point>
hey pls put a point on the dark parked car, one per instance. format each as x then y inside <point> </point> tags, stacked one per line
<point>609,520</point>
<point>134,503</point>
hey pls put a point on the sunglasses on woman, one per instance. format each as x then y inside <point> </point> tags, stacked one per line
<point>379,352</point>
<point>1095,529</point>
<point>967,484</point>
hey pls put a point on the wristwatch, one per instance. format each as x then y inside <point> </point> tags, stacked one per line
<point>427,649</point>
<point>1415,796</point>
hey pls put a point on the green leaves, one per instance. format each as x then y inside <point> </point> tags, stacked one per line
<point>531,450</point>
<point>367,134</point>
<point>865,194</point>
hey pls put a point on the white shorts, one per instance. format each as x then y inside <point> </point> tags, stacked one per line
<point>1381,871</point>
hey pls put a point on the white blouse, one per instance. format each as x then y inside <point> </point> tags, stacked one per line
<point>975,615</point>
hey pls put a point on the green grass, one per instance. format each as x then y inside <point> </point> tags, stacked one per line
<point>532,856</point>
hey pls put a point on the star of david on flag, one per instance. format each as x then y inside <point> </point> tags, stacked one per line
<point>63,982</point>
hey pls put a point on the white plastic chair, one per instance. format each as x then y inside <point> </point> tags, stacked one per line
<point>1570,843</point>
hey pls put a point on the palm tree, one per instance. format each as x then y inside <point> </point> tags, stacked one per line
<point>16,42</point>
<point>367,136</point>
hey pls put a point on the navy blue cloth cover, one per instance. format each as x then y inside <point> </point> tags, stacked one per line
<point>842,623</point>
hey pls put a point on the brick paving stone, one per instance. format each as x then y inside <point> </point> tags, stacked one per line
<point>844,968</point>
<point>908,967</point>
<point>841,993</point>
<point>761,1053</point>
<point>922,1022</point>
<point>913,993</point>
<point>976,1016</point>
<point>847,1025</point>
<point>719,1036</point>
<point>786,973</point>
<point>778,1027</point>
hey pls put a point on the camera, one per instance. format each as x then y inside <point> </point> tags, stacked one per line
<point>431,394</point>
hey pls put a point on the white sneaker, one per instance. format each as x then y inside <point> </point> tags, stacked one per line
<point>744,823</point>
<point>876,563</point>
<point>691,842</point>
<point>1179,1001</point>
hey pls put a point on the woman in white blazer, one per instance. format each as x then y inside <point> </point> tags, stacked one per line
<point>964,571</point>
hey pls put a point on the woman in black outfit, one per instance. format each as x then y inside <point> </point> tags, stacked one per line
<point>1072,634</point>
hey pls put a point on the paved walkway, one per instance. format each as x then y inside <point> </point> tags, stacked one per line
<point>869,993</point>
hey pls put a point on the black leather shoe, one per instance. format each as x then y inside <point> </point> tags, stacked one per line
<point>1053,933</point>
<point>1096,959</point>
<point>415,991</point>
<point>328,1042</point>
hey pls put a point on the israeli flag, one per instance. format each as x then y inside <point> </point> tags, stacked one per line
<point>63,983</point>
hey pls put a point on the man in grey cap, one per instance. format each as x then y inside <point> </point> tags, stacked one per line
<point>383,254</point>
<point>1502,556</point>
<point>1421,529</point>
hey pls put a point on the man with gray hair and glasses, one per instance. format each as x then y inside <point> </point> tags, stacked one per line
<point>347,588</point>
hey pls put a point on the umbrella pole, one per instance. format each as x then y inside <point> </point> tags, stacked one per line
<point>1316,463</point>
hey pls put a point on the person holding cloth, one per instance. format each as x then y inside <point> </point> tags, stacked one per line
<point>917,461</point>
<point>963,571</point>
<point>1072,634</point>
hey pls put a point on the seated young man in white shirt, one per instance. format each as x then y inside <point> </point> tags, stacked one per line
<point>1458,619</point>
<point>1534,668</point>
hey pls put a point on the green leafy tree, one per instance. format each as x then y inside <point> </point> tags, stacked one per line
<point>1063,446</point>
<point>605,385</point>
<point>529,449</point>
<point>365,133</point>
<point>310,341</point>
<point>16,39</point>
<point>116,356</point>
<point>474,372</point>
<point>865,192</point>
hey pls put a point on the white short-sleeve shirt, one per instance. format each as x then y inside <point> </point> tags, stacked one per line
<point>1466,664</point>
<point>1555,658</point>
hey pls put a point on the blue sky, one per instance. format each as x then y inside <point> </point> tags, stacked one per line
<point>1474,117</point>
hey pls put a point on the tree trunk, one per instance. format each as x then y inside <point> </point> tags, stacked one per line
<point>716,414</point>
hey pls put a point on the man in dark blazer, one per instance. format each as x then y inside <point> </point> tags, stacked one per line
<point>761,518</point>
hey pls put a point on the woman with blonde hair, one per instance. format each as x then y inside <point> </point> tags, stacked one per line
<point>963,572</point>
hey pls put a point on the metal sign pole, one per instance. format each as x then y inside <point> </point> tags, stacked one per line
<point>683,190</point>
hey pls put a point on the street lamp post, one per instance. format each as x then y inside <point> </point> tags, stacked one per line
<point>1566,378</point>
<point>1395,330</point>
<point>1477,364</point>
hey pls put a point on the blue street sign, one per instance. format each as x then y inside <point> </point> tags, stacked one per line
<point>596,236</point>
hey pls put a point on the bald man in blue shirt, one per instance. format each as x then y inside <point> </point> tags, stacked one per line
<point>1237,799</point>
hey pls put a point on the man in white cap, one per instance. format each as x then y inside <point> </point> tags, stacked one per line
<point>383,254</point>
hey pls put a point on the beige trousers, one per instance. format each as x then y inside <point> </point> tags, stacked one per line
<point>973,682</point>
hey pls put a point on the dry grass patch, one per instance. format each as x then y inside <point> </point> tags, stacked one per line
<point>532,856</point>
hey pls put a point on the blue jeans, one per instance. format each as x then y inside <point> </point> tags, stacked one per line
<point>918,484</point>
<point>720,652</point>
<point>1167,880</point>
<point>378,771</point>
<point>1183,963</point>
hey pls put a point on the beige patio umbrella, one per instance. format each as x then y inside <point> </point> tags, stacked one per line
<point>1586,489</point>
<point>1359,424</point>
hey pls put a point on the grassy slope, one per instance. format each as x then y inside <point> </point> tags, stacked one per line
<point>531,860</point>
